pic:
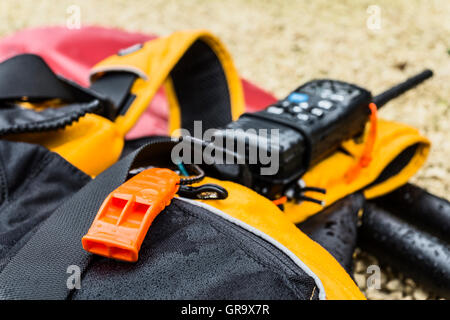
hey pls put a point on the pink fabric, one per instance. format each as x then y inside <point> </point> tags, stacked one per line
<point>71,53</point>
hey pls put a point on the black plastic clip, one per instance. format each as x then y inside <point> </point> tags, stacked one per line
<point>207,191</point>
<point>296,193</point>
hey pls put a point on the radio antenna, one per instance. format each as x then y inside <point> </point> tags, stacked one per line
<point>401,88</point>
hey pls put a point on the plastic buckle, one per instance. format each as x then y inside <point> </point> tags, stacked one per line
<point>127,213</point>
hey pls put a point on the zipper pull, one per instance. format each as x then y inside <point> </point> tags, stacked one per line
<point>207,191</point>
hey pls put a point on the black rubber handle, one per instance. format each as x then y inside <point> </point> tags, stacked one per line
<point>419,207</point>
<point>407,248</point>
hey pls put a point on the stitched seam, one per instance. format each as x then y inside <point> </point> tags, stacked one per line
<point>292,287</point>
<point>72,168</point>
<point>68,165</point>
<point>46,160</point>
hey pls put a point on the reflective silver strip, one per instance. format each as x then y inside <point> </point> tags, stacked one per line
<point>264,236</point>
<point>102,69</point>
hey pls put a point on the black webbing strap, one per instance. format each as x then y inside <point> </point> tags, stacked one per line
<point>39,270</point>
<point>199,82</point>
<point>116,87</point>
<point>28,77</point>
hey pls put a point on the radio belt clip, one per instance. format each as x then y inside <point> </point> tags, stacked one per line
<point>126,214</point>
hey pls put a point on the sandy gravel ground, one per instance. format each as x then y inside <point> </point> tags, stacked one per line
<point>280,44</point>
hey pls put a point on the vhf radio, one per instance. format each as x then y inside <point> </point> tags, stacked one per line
<point>312,123</point>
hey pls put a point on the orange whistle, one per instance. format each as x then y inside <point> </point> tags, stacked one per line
<point>126,214</point>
